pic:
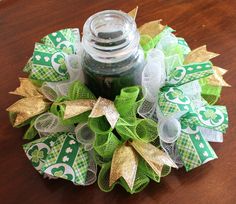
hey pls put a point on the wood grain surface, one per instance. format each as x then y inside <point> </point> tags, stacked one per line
<point>22,23</point>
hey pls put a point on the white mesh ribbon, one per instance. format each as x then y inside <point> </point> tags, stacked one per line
<point>153,78</point>
<point>193,91</point>
<point>92,170</point>
<point>85,136</point>
<point>48,123</point>
<point>166,41</point>
<point>172,151</point>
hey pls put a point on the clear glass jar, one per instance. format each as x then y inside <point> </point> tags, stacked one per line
<point>112,58</point>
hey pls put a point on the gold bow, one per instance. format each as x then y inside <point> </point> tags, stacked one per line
<point>125,161</point>
<point>31,105</point>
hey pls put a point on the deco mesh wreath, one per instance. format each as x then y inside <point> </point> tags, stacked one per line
<point>139,136</point>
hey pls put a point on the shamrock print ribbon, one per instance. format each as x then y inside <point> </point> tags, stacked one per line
<point>171,102</point>
<point>190,142</point>
<point>59,156</point>
<point>53,58</point>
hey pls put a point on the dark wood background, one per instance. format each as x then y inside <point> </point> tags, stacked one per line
<point>200,22</point>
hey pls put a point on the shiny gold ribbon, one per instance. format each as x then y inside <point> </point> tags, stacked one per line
<point>125,161</point>
<point>124,164</point>
<point>201,54</point>
<point>77,107</point>
<point>133,12</point>
<point>31,105</point>
<point>27,89</point>
<point>101,107</point>
<point>152,28</point>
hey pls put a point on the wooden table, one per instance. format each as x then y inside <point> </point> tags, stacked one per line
<point>22,23</point>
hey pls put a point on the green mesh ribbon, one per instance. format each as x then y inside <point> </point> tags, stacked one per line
<point>128,127</point>
<point>148,43</point>
<point>77,90</point>
<point>209,92</point>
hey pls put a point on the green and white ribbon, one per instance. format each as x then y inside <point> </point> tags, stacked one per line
<point>56,62</point>
<point>173,98</point>
<point>172,101</point>
<point>60,156</point>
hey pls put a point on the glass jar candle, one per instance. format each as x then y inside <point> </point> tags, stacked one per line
<point>112,58</point>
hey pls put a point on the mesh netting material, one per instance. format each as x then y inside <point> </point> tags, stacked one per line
<point>144,130</point>
<point>49,123</point>
<point>50,91</point>
<point>141,180</point>
<point>147,170</point>
<point>106,144</point>
<point>84,135</point>
<point>79,91</point>
<point>100,125</point>
<point>103,178</point>
<point>209,92</point>
<point>124,103</point>
<point>53,90</point>
<point>91,176</point>
<point>172,151</point>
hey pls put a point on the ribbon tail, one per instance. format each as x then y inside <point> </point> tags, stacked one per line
<point>153,156</point>
<point>77,107</point>
<point>107,108</point>
<point>27,108</point>
<point>124,164</point>
<point>193,149</point>
<point>133,13</point>
<point>199,54</point>
<point>27,89</point>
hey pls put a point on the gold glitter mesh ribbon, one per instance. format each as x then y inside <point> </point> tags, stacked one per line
<point>125,161</point>
<point>101,107</point>
<point>133,13</point>
<point>77,107</point>
<point>124,164</point>
<point>27,108</point>
<point>33,104</point>
<point>27,89</point>
<point>152,28</point>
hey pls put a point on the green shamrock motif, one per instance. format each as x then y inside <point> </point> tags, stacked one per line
<point>209,114</point>
<point>69,50</point>
<point>37,155</point>
<point>176,75</point>
<point>61,61</point>
<point>60,173</point>
<point>176,94</point>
